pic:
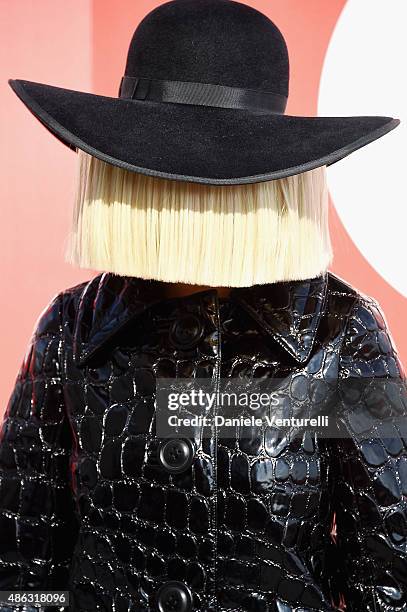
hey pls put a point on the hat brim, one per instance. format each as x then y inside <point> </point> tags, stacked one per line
<point>201,144</point>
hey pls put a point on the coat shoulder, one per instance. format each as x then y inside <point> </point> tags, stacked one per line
<point>368,346</point>
<point>42,353</point>
<point>59,315</point>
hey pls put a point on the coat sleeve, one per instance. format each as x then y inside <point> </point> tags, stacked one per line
<point>369,467</point>
<point>38,526</point>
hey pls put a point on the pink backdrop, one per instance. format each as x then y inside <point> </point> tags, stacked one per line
<point>83,45</point>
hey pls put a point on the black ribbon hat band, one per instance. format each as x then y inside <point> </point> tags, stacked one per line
<point>204,94</point>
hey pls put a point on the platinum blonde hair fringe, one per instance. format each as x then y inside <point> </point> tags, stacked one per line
<point>131,224</point>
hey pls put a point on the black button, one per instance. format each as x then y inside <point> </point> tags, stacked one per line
<point>174,596</point>
<point>186,331</point>
<point>176,455</point>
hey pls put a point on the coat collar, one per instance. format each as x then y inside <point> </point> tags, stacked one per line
<point>290,311</point>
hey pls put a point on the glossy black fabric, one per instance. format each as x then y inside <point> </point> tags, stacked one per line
<point>215,42</point>
<point>86,504</point>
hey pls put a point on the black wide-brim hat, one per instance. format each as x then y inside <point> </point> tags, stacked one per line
<point>202,100</point>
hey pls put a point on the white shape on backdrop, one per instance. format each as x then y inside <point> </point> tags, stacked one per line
<point>364,73</point>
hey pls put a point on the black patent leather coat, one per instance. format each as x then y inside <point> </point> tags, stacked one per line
<point>254,523</point>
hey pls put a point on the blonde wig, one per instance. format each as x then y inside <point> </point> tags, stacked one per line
<point>218,235</point>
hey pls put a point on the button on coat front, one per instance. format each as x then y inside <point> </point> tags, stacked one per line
<point>94,502</point>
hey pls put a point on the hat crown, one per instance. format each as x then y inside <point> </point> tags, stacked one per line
<point>210,41</point>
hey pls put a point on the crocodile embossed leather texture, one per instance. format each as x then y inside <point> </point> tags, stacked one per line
<point>93,502</point>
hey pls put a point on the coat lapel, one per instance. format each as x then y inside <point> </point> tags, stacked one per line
<point>106,304</point>
<point>289,311</point>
